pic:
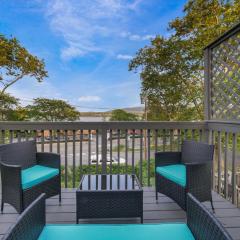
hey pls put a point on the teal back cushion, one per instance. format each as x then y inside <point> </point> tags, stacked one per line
<point>176,231</point>
<point>37,174</point>
<point>175,173</point>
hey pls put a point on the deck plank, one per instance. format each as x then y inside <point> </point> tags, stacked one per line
<point>166,210</point>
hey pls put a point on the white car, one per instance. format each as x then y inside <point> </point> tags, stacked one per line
<point>114,159</point>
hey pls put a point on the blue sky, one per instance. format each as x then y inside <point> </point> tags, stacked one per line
<point>86,45</point>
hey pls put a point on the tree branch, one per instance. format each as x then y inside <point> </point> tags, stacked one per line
<point>10,83</point>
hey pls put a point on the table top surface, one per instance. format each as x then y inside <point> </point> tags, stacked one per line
<point>111,182</point>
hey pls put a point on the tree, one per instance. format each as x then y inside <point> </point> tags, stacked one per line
<point>8,104</point>
<point>172,68</point>
<point>45,109</point>
<point>16,62</point>
<point>121,115</point>
<point>18,114</point>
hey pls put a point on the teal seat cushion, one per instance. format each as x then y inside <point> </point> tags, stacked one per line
<point>176,231</point>
<point>175,173</point>
<point>37,174</point>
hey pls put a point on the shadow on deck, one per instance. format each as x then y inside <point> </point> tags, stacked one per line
<point>164,211</point>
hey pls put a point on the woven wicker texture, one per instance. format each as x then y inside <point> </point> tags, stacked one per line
<point>31,223</point>
<point>12,192</point>
<point>202,223</point>
<point>109,203</point>
<point>198,160</point>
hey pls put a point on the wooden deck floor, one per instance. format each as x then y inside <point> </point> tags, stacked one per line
<point>165,211</point>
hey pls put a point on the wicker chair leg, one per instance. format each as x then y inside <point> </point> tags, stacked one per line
<point>156,195</point>
<point>60,198</point>
<point>2,205</point>
<point>212,205</point>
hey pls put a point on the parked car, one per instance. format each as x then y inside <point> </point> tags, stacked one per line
<point>114,159</point>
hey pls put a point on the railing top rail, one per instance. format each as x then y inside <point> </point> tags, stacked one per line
<point>228,126</point>
<point>97,125</point>
<point>224,36</point>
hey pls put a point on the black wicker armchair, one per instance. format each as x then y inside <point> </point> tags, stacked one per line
<point>177,173</point>
<point>201,225</point>
<point>27,173</point>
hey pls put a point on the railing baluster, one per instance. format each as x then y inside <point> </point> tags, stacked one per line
<point>58,141</point>
<point>80,153</point>
<point>156,140</point>
<point>35,135</point>
<point>164,140</point>
<point>234,149</point>
<point>74,159</point>
<point>97,152</point>
<point>26,135</point>
<point>171,140</point>
<point>226,166</point>
<point>185,134</point>
<point>126,151</point>
<point>42,140</point>
<point>193,134</point>
<point>19,135</point>
<point>104,150</point>
<point>219,162</point>
<point>89,147</point>
<point>3,136</point>
<point>178,139</point>
<point>111,149</point>
<point>133,150</point>
<point>200,135</point>
<point>214,164</point>
<point>141,156</point>
<point>66,158</point>
<point>11,136</point>
<point>149,151</point>
<point>51,143</point>
<point>118,149</point>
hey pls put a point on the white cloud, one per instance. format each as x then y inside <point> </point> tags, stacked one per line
<point>80,23</point>
<point>136,37</point>
<point>124,57</point>
<point>89,99</point>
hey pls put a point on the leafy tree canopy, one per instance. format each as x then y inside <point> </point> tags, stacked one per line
<point>45,109</point>
<point>16,62</point>
<point>121,115</point>
<point>8,104</point>
<point>171,69</point>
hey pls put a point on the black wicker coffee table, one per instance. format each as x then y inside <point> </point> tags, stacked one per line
<point>109,196</point>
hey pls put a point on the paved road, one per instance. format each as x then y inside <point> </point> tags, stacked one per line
<point>85,151</point>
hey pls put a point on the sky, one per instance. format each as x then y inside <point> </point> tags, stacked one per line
<point>86,46</point>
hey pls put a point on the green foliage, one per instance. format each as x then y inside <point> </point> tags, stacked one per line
<point>171,69</point>
<point>7,105</point>
<point>115,170</point>
<point>121,115</point>
<point>16,62</point>
<point>18,114</point>
<point>45,109</point>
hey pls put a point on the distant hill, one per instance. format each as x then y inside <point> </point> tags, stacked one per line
<point>135,110</point>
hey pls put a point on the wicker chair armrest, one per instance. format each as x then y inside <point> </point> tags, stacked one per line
<point>202,222</point>
<point>10,175</point>
<point>167,158</point>
<point>195,163</point>
<point>198,176</point>
<point>49,159</point>
<point>30,223</point>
